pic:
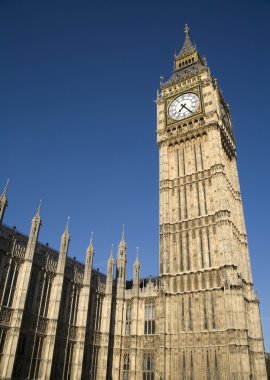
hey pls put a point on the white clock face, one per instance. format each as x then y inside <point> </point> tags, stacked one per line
<point>184,106</point>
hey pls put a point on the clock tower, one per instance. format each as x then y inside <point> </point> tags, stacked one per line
<point>213,319</point>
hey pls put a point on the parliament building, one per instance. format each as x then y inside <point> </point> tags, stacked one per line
<point>199,319</point>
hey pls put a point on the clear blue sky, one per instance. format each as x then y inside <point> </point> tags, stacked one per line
<point>77,118</point>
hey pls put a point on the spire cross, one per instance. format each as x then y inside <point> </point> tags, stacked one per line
<point>137,251</point>
<point>91,239</point>
<point>123,232</point>
<point>186,29</point>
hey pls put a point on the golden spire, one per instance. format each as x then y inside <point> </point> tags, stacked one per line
<point>187,47</point>
<point>186,29</point>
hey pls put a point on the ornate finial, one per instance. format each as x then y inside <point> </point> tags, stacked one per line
<point>38,210</point>
<point>39,206</point>
<point>111,255</point>
<point>122,245</point>
<point>137,257</point>
<point>67,226</point>
<point>186,29</point>
<point>90,247</point>
<point>204,60</point>
<point>6,187</point>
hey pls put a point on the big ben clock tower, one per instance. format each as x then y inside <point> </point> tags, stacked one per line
<point>198,320</point>
<point>212,326</point>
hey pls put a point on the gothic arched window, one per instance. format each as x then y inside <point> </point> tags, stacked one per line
<point>126,367</point>
<point>148,366</point>
<point>149,321</point>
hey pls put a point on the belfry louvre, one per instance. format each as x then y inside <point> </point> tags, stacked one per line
<point>198,319</point>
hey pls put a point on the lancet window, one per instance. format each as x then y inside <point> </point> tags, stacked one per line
<point>195,159</point>
<point>43,296</point>
<point>69,360</point>
<point>213,311</point>
<point>198,199</point>
<point>128,319</point>
<point>204,195</point>
<point>126,367</point>
<point>148,366</point>
<point>37,357</point>
<point>184,164</point>
<point>205,314</point>
<point>184,366</point>
<point>46,296</point>
<point>201,154</point>
<point>8,283</point>
<point>70,306</point>
<point>74,304</point>
<point>190,315</point>
<point>191,366</point>
<point>20,362</point>
<point>208,369</point>
<point>97,311</point>
<point>209,249</point>
<point>201,248</point>
<point>188,251</point>
<point>185,198</point>
<point>216,367</point>
<point>3,334</point>
<point>183,314</point>
<point>179,204</point>
<point>178,162</point>
<point>149,321</point>
<point>95,363</point>
<point>181,253</point>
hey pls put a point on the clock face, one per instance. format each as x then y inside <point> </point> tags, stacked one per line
<point>183,106</point>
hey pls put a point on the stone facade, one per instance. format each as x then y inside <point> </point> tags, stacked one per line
<point>199,319</point>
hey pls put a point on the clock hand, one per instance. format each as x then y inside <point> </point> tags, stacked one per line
<point>187,108</point>
<point>181,108</point>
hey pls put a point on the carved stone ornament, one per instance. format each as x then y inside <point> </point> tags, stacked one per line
<point>225,279</point>
<point>164,286</point>
<point>148,341</point>
<point>97,338</point>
